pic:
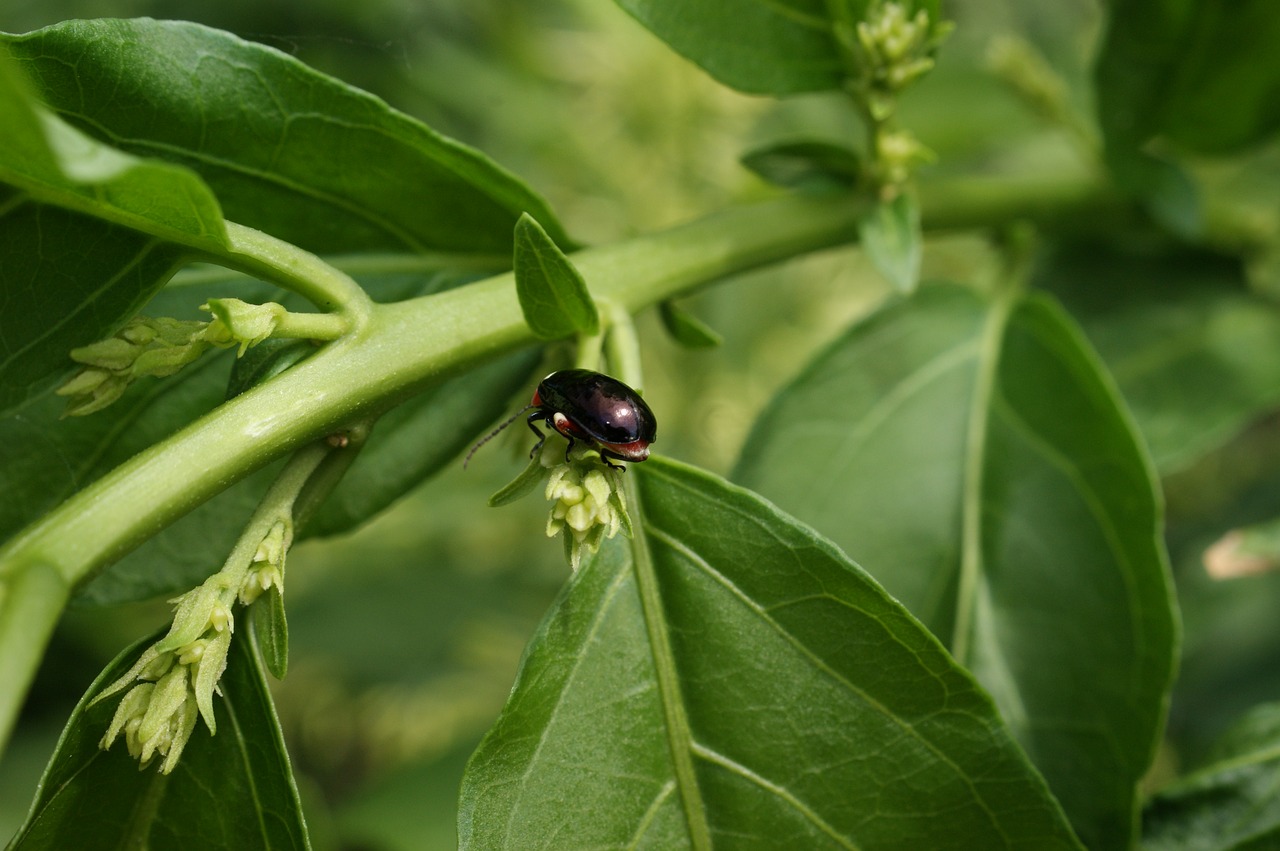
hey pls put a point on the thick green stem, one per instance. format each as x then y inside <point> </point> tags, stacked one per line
<point>263,256</point>
<point>311,326</point>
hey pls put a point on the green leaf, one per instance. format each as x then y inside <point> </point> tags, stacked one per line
<point>533,476</point>
<point>232,790</point>
<point>728,678</point>
<point>110,230</point>
<point>271,632</point>
<point>687,329</point>
<point>891,237</point>
<point>808,164</point>
<point>288,150</point>
<point>1202,73</point>
<point>755,46</point>
<point>1195,353</point>
<point>553,295</point>
<point>1229,802</point>
<point>976,460</point>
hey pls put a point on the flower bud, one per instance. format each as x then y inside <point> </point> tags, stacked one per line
<point>144,346</point>
<point>587,502</point>
<point>236,321</point>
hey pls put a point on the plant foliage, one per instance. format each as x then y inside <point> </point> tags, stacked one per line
<point>937,602</point>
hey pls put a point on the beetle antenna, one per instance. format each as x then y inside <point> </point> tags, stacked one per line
<point>491,435</point>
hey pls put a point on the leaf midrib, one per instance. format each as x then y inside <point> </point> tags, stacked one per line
<point>679,734</point>
<point>971,560</point>
<point>908,730</point>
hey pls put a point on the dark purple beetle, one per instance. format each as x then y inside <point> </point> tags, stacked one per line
<point>595,409</point>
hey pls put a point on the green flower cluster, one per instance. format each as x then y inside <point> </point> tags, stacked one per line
<point>144,346</point>
<point>895,48</point>
<point>160,347</point>
<point>175,678</point>
<point>266,571</point>
<point>889,49</point>
<point>588,504</point>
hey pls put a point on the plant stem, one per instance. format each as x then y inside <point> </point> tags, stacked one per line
<point>263,256</point>
<point>275,506</point>
<point>311,326</point>
<point>622,345</point>
<point>31,601</point>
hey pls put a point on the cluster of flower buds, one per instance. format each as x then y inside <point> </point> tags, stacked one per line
<point>588,504</point>
<point>266,571</point>
<point>890,48</point>
<point>174,680</point>
<point>144,346</point>
<point>897,47</point>
<point>160,347</point>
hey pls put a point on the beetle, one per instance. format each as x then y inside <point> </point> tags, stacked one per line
<point>592,408</point>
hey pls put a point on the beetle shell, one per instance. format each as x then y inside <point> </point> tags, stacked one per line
<point>599,410</point>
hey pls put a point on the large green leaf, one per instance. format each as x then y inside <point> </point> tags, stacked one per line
<point>975,459</point>
<point>1230,801</point>
<point>1201,72</point>
<point>87,235</point>
<point>288,150</point>
<point>755,46</point>
<point>729,678</point>
<point>232,790</point>
<point>1195,353</point>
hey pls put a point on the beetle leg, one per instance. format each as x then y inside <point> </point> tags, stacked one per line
<point>542,438</point>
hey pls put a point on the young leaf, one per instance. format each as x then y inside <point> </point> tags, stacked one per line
<point>976,459</point>
<point>755,46</point>
<point>728,678</point>
<point>288,150</point>
<point>532,477</point>
<point>271,632</point>
<point>232,790</point>
<point>110,229</point>
<point>891,237</point>
<point>687,329</point>
<point>1229,802</point>
<point>806,164</point>
<point>553,295</point>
